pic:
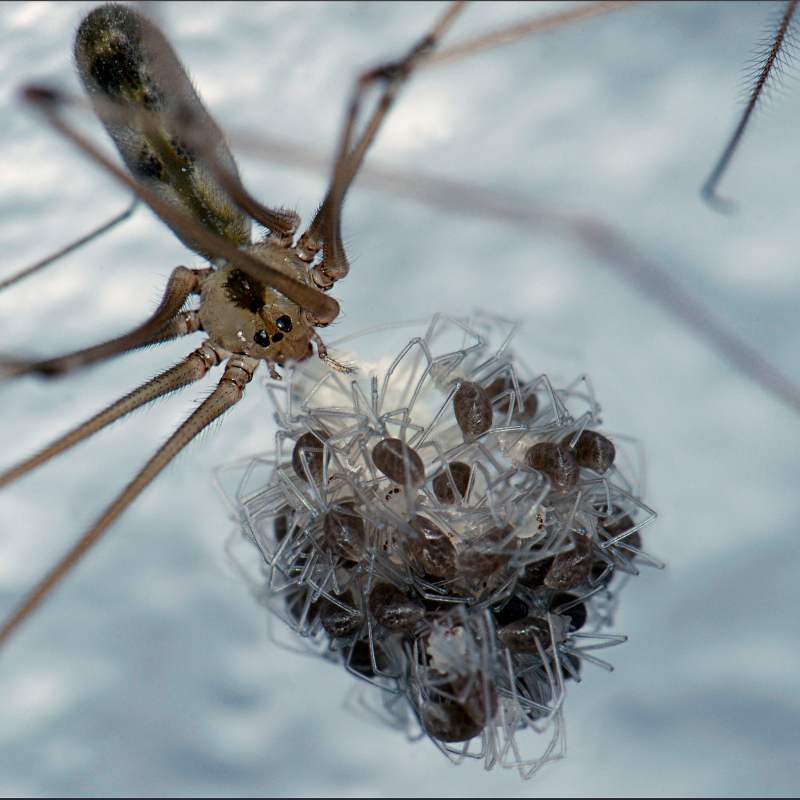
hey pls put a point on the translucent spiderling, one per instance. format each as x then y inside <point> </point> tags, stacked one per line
<point>458,601</point>
<point>309,447</point>
<point>443,488</point>
<point>399,462</point>
<point>485,555</point>
<point>521,636</point>
<point>557,462</point>
<point>473,409</point>
<point>345,533</point>
<point>572,568</point>
<point>393,608</point>
<point>432,549</point>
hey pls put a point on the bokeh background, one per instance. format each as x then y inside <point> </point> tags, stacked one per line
<point>151,671</point>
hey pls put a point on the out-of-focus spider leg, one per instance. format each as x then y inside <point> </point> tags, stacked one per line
<point>238,373</point>
<point>191,369</point>
<point>85,239</point>
<point>182,283</point>
<point>501,37</point>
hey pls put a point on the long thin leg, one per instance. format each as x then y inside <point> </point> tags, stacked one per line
<point>325,229</point>
<point>282,222</point>
<point>104,228</point>
<point>182,282</point>
<point>238,373</point>
<point>526,29</point>
<point>773,61</point>
<point>182,324</point>
<point>191,369</point>
<point>319,306</point>
<point>598,238</point>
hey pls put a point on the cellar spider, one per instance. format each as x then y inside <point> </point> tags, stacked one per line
<point>149,669</point>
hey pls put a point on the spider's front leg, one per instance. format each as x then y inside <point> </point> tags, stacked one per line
<point>325,231</point>
<point>165,323</point>
<point>238,373</point>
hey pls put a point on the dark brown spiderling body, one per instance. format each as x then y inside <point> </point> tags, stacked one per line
<point>399,462</point>
<point>572,568</point>
<point>393,608</point>
<point>443,487</point>
<point>309,449</point>
<point>473,409</point>
<point>592,450</point>
<point>534,573</point>
<point>345,533</point>
<point>449,721</point>
<point>522,635</point>
<point>432,549</point>
<point>557,462</point>
<point>340,622</point>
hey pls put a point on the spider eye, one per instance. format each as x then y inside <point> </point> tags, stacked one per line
<point>284,323</point>
<point>261,338</point>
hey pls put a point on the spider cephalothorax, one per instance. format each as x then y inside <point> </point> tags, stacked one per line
<point>244,315</point>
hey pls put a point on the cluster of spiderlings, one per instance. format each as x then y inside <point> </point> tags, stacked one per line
<point>451,530</point>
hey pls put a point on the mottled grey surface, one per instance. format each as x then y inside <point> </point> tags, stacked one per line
<point>150,671</point>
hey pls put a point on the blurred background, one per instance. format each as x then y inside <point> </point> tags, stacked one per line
<point>151,671</point>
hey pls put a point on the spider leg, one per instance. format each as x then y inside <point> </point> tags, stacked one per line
<point>182,282</point>
<point>281,222</point>
<point>191,369</point>
<point>325,231</point>
<point>182,324</point>
<point>501,37</point>
<point>322,307</point>
<point>774,59</point>
<point>85,239</point>
<point>238,373</point>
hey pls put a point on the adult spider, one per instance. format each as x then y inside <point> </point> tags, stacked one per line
<point>623,117</point>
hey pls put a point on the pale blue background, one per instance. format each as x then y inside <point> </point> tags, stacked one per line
<point>150,671</point>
